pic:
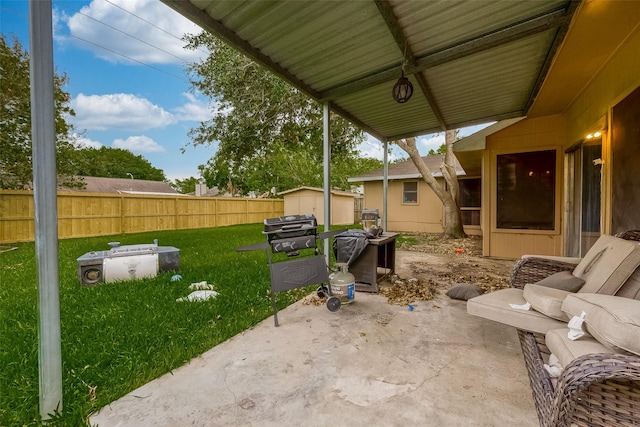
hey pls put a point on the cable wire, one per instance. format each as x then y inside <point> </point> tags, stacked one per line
<point>122,32</point>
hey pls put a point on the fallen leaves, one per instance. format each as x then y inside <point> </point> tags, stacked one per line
<point>405,292</point>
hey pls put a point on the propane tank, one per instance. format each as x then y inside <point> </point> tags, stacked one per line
<point>343,283</point>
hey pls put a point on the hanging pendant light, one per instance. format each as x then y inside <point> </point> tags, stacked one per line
<point>403,89</point>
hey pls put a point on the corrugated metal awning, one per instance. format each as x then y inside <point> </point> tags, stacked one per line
<point>469,61</point>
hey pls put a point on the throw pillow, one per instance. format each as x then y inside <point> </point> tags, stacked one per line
<point>464,291</point>
<point>562,280</point>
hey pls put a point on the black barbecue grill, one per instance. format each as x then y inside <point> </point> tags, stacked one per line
<point>296,236</point>
<point>291,233</point>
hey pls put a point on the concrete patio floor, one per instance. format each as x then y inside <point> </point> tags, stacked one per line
<point>369,364</point>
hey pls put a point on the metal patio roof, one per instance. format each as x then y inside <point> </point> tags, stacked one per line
<point>470,61</point>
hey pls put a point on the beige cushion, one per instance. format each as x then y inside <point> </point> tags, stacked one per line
<point>562,280</point>
<point>495,306</point>
<point>547,301</point>
<point>566,350</point>
<point>631,288</point>
<point>608,264</point>
<point>614,321</point>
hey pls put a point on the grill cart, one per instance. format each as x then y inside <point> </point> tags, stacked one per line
<point>297,237</point>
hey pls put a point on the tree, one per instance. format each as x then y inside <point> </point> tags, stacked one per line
<point>285,168</point>
<point>447,193</point>
<point>269,134</point>
<point>16,168</point>
<point>185,186</point>
<point>441,150</point>
<point>108,162</point>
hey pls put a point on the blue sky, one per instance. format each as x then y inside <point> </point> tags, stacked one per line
<point>125,62</point>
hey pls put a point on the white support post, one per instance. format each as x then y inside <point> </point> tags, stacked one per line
<point>43,140</point>
<point>385,184</point>
<point>327,177</point>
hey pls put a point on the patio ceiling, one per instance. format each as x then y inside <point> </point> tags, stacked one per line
<point>469,61</point>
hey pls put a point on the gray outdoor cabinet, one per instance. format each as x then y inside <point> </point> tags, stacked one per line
<point>376,261</point>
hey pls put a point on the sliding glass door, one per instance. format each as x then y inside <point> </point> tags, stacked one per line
<point>584,166</point>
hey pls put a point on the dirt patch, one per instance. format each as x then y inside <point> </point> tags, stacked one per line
<point>428,264</point>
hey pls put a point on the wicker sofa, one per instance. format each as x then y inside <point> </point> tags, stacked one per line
<point>599,381</point>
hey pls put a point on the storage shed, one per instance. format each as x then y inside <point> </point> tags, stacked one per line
<point>310,200</point>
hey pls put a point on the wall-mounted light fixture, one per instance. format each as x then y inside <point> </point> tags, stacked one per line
<point>594,135</point>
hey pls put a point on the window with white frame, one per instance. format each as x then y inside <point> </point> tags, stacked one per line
<point>410,192</point>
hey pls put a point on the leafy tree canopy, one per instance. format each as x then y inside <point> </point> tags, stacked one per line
<point>185,186</point>
<point>16,167</point>
<point>268,133</point>
<point>110,162</point>
<point>441,150</point>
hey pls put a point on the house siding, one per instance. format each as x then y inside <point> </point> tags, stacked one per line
<point>426,216</point>
<point>545,133</point>
<point>590,111</point>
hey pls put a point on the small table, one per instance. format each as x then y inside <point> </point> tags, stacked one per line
<point>376,262</point>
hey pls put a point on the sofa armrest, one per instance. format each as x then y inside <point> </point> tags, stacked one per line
<point>569,259</point>
<point>533,269</point>
<point>598,389</point>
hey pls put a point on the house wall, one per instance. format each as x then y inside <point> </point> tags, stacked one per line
<point>590,111</point>
<point>543,133</point>
<point>308,201</point>
<point>426,216</point>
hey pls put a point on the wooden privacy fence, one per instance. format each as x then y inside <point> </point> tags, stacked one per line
<point>99,214</point>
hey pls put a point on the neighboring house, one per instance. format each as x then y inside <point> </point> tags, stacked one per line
<point>310,200</point>
<point>411,203</point>
<point>95,184</point>
<point>203,191</point>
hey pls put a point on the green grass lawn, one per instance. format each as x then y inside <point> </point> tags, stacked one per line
<point>119,336</point>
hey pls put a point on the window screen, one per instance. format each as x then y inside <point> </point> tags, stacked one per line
<point>410,192</point>
<point>469,200</point>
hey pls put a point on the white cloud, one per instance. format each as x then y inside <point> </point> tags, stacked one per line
<point>118,111</point>
<point>145,30</point>
<point>138,144</point>
<point>194,110</point>
<point>371,147</point>
<point>374,149</point>
<point>84,142</point>
<point>429,142</point>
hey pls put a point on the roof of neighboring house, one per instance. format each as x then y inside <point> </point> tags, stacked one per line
<point>407,170</point>
<point>336,192</point>
<point>211,192</point>
<point>126,186</point>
